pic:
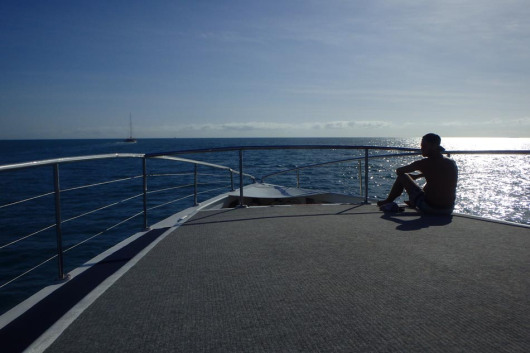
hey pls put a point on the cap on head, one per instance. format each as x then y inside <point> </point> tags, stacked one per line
<point>435,140</point>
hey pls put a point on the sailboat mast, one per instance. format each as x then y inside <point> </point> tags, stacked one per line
<point>130,126</point>
<point>130,139</point>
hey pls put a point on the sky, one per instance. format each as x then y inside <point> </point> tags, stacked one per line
<point>287,68</point>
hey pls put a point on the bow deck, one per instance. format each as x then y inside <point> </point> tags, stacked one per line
<point>317,278</point>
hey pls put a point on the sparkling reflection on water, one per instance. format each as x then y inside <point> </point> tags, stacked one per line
<point>494,186</point>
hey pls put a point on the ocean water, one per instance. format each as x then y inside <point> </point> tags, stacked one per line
<point>492,186</point>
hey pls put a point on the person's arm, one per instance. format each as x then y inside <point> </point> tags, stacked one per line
<point>407,169</point>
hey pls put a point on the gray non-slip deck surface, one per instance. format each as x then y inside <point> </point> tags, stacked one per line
<point>312,278</point>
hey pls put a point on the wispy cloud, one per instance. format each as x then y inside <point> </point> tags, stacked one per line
<point>429,93</point>
<point>517,123</point>
<point>276,126</point>
<point>349,124</point>
<point>410,127</point>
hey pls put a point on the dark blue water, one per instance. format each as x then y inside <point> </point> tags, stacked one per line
<point>481,191</point>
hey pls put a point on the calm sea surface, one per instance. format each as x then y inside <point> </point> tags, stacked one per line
<point>493,186</point>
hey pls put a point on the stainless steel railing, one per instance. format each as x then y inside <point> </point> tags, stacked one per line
<point>241,149</point>
<point>173,156</point>
<point>58,191</point>
<point>359,159</point>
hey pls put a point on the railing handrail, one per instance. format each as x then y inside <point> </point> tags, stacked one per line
<point>392,155</point>
<point>65,160</point>
<point>321,147</point>
<point>207,164</point>
<point>278,147</point>
<point>166,155</point>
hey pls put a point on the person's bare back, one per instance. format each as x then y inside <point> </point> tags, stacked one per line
<point>441,175</point>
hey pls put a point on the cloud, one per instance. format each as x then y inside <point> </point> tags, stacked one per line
<point>239,126</point>
<point>431,94</point>
<point>349,124</point>
<point>523,122</point>
<point>291,127</point>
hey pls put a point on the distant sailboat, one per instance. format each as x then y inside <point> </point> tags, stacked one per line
<point>130,139</point>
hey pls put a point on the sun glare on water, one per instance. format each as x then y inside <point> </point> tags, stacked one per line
<point>493,186</point>
<point>485,143</point>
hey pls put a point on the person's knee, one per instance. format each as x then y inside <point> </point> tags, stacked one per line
<point>405,179</point>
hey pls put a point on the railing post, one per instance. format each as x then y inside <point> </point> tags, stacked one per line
<point>298,178</point>
<point>144,173</point>
<point>58,221</point>
<point>366,175</point>
<point>360,179</point>
<point>232,179</point>
<point>241,203</point>
<point>195,178</point>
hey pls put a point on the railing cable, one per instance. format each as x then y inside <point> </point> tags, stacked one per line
<point>27,236</point>
<point>26,200</point>
<point>186,197</point>
<point>68,249</point>
<point>170,188</point>
<point>101,208</point>
<point>106,230</point>
<point>101,183</point>
<point>28,271</point>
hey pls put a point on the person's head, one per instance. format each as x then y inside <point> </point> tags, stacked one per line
<point>430,145</point>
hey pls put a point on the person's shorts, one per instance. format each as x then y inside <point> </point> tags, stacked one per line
<point>418,197</point>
